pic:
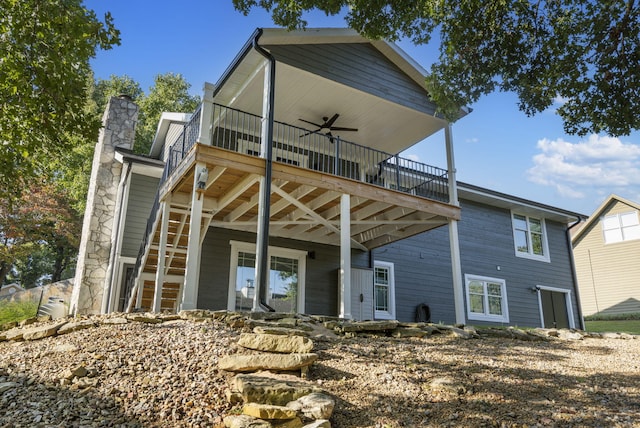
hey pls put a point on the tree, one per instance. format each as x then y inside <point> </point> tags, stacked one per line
<point>39,234</point>
<point>170,92</point>
<point>586,53</point>
<point>45,47</point>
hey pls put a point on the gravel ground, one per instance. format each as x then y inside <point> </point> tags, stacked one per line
<point>155,375</point>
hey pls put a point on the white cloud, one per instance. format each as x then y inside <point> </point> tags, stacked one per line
<point>583,169</point>
<point>560,100</point>
<point>471,140</point>
<point>413,157</point>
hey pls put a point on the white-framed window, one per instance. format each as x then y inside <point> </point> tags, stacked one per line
<point>486,299</point>
<point>530,237</point>
<point>621,227</point>
<point>286,278</point>
<point>384,297</point>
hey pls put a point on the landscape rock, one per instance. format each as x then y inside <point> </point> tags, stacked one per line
<point>408,332</point>
<point>15,333</point>
<point>144,318</point>
<point>271,389</point>
<point>368,326</point>
<point>252,363</point>
<point>5,386</point>
<point>316,405</point>
<point>42,331</point>
<point>318,424</point>
<point>276,343</point>
<point>75,326</point>
<point>279,330</point>
<point>115,321</point>
<point>268,411</point>
<point>245,421</point>
<point>569,335</point>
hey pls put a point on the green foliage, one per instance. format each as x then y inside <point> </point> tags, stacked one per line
<point>583,52</point>
<point>618,326</point>
<point>613,317</point>
<point>45,48</point>
<point>17,311</point>
<point>39,228</point>
<point>170,93</point>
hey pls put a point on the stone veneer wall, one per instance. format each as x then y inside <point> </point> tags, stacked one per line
<point>118,130</point>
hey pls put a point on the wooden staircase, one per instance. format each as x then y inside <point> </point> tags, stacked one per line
<point>174,265</point>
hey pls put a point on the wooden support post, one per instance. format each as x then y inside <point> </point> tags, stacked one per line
<point>192,273</point>
<point>454,245</point>
<point>162,252</point>
<point>345,257</point>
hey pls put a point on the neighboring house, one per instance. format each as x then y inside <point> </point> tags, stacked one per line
<point>326,217</point>
<point>607,258</point>
<point>9,289</point>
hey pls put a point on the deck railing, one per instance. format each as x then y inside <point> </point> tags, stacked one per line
<point>239,131</point>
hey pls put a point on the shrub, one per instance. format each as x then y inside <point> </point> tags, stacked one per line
<point>17,311</point>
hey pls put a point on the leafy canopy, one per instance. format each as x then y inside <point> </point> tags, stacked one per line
<point>45,48</point>
<point>583,52</point>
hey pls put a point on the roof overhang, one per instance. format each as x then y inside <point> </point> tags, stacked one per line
<point>166,120</point>
<point>473,193</point>
<point>299,94</point>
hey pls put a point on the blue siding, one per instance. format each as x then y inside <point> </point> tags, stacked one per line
<point>321,291</point>
<point>358,65</point>
<point>423,266</point>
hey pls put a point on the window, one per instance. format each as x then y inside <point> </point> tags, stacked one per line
<point>529,236</point>
<point>285,278</point>
<point>621,227</point>
<point>486,299</point>
<point>384,290</point>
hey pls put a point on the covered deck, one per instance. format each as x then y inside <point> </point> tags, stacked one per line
<point>298,139</point>
<point>390,198</point>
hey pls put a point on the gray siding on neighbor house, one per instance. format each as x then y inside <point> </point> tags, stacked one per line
<point>321,289</point>
<point>358,65</point>
<point>142,193</point>
<point>423,266</point>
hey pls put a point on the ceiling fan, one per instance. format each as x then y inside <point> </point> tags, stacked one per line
<point>327,125</point>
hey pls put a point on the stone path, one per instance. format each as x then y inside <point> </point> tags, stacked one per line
<point>276,399</point>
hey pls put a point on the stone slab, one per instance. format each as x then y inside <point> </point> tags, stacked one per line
<point>276,343</point>
<point>271,389</point>
<point>269,411</point>
<point>252,363</point>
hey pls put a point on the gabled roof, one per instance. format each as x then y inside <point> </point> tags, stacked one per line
<point>372,84</point>
<point>599,211</point>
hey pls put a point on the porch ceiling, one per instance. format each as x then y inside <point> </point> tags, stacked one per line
<point>381,124</point>
<point>305,205</point>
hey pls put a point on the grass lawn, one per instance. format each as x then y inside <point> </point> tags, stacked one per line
<point>17,311</point>
<point>620,326</point>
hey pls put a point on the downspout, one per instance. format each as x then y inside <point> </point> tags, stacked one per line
<point>115,234</point>
<point>574,275</point>
<point>262,246</point>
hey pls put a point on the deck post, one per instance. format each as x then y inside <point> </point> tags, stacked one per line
<point>454,245</point>
<point>206,114</point>
<point>162,252</point>
<point>192,273</point>
<point>345,256</point>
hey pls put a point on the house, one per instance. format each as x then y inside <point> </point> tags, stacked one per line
<point>9,289</point>
<point>607,258</point>
<point>285,191</point>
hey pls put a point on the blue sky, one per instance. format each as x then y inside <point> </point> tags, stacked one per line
<point>496,146</point>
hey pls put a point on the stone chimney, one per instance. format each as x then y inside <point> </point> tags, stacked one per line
<point>118,131</point>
